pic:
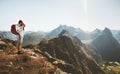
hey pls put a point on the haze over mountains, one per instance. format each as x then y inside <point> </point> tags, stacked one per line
<point>33,38</point>
<point>79,33</point>
<point>74,50</point>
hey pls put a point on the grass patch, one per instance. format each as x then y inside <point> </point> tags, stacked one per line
<point>116,69</point>
<point>112,68</point>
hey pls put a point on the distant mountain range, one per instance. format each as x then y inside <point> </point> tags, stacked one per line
<point>80,34</point>
<point>7,35</point>
<point>104,43</point>
<point>73,31</point>
<point>30,37</point>
<point>33,38</point>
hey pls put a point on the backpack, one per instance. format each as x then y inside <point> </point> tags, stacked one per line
<point>13,29</point>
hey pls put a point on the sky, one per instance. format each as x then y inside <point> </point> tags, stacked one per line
<point>45,15</point>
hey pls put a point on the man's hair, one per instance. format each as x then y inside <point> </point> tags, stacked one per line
<point>20,21</point>
<point>22,24</point>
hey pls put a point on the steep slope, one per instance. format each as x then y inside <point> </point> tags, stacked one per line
<point>108,46</point>
<point>68,49</point>
<point>91,49</point>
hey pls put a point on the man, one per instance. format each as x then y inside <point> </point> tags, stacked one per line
<point>20,29</point>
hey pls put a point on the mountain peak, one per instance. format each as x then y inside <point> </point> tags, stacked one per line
<point>97,30</point>
<point>72,30</point>
<point>65,32</point>
<point>63,25</point>
<point>107,31</point>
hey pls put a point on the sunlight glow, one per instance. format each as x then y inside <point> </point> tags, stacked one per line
<point>85,7</point>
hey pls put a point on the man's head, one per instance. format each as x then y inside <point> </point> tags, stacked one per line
<point>21,23</point>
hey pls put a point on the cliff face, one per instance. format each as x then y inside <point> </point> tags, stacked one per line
<point>75,57</point>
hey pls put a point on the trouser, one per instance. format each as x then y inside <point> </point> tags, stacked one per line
<point>20,39</point>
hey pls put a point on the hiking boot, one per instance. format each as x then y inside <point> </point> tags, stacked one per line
<point>19,52</point>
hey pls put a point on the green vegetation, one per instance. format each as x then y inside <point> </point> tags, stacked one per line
<point>112,67</point>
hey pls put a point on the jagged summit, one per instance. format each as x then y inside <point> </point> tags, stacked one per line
<point>65,33</point>
<point>63,26</point>
<point>96,31</point>
<point>106,32</point>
